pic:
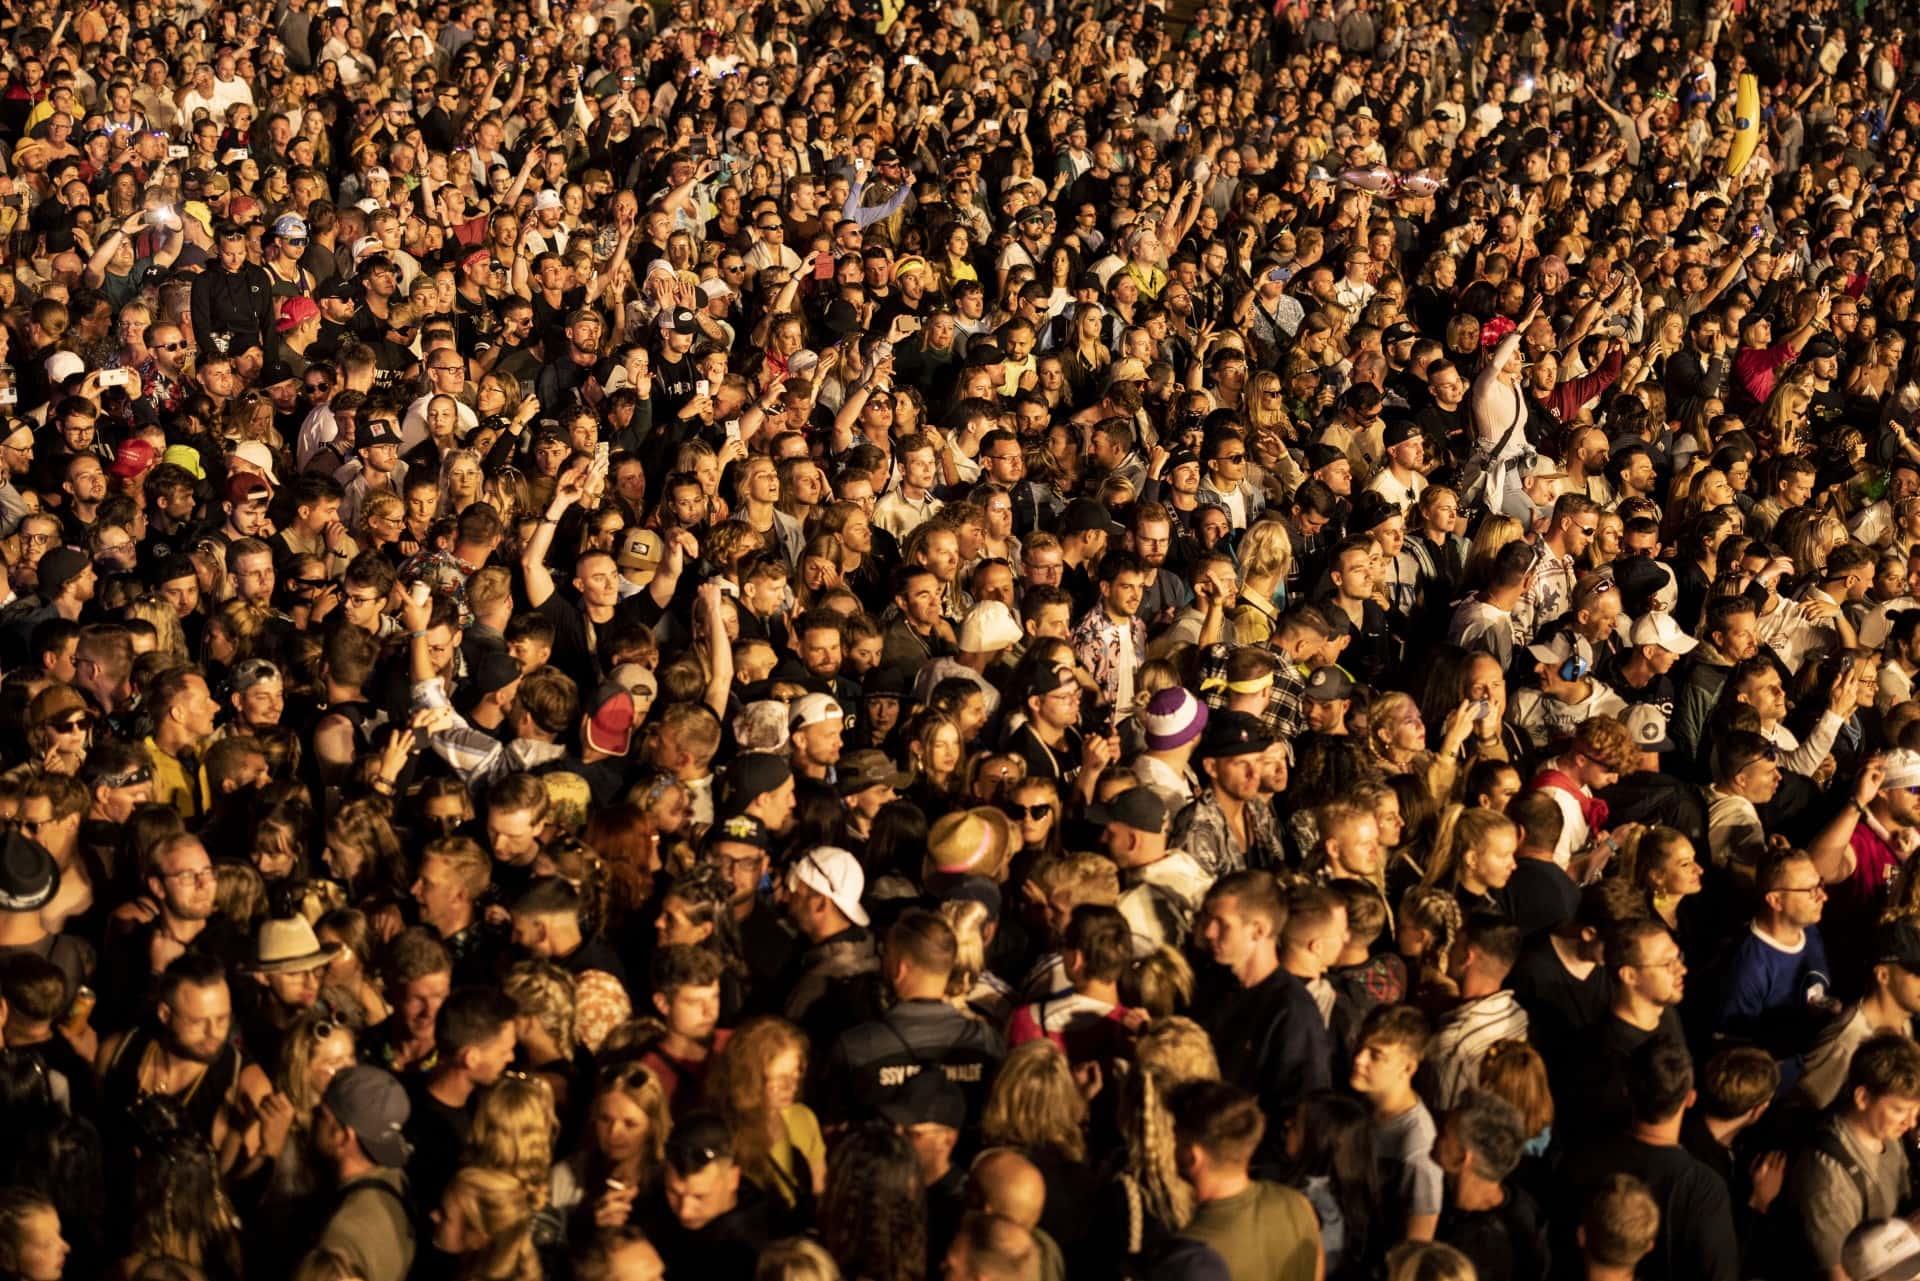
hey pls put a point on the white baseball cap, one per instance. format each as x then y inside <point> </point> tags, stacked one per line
<point>813,709</point>
<point>1658,628</point>
<point>1886,1250</point>
<point>832,871</point>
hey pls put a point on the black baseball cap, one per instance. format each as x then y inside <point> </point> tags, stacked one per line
<point>1138,807</point>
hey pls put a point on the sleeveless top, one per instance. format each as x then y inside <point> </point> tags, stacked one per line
<point>200,1102</point>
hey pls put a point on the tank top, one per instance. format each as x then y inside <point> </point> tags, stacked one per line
<point>200,1102</point>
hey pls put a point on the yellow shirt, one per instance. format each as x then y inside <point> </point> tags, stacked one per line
<point>170,783</point>
<point>804,1137</point>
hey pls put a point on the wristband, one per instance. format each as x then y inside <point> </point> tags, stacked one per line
<point>416,635</point>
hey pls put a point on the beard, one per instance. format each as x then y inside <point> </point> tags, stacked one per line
<point>192,1053</point>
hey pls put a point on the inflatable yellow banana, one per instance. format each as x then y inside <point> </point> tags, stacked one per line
<point>1746,124</point>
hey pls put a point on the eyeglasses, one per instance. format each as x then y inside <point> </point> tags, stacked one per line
<point>127,778</point>
<point>190,876</point>
<point>1030,813</point>
<point>1818,891</point>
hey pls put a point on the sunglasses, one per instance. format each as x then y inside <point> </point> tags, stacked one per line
<point>75,724</point>
<point>1032,813</point>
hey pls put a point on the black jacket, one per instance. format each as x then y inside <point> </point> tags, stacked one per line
<point>875,1059</point>
<point>235,303</point>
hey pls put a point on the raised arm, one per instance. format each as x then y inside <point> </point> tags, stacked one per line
<point>533,560</point>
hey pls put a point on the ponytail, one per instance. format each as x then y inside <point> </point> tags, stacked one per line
<point>1461,828</point>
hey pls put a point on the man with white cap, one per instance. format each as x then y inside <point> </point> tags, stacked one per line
<point>1883,1250</point>
<point>817,726</point>
<point>822,891</point>
<point>988,631</point>
<point>1174,721</point>
<point>1640,673</point>
<point>1862,849</point>
<point>1568,694</point>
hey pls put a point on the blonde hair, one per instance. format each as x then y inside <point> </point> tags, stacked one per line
<point>1035,1103</point>
<point>796,1259</point>
<point>1266,551</point>
<point>296,1062</point>
<point>1090,878</point>
<point>512,1132</point>
<point>544,993</point>
<point>966,917</point>
<point>637,1084</point>
<point>1462,829</point>
<point>496,1204</point>
<point>1170,1052</point>
<point>169,637</point>
<point>1428,1261</point>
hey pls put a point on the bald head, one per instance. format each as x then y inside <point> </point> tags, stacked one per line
<point>1007,1184</point>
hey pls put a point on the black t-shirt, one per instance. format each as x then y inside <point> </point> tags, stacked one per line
<point>438,1134</point>
<point>1507,1243</point>
<point>1540,896</point>
<point>1560,1008</point>
<point>1696,1241</point>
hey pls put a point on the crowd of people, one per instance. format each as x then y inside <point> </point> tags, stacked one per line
<point>869,640</point>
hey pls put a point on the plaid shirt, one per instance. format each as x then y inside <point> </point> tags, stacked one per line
<point>1286,711</point>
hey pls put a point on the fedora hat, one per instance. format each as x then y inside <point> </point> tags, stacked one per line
<point>970,842</point>
<point>290,947</point>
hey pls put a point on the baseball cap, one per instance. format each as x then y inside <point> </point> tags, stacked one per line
<point>1658,628</point>
<point>257,453</point>
<point>610,718</point>
<point>1087,513</point>
<point>683,322</point>
<point>254,671</point>
<point>371,1103</point>
<point>1328,684</point>
<point>1898,943</point>
<point>1884,1250</point>
<point>857,771</point>
<point>295,312</point>
<point>1174,717</point>
<point>1234,734</point>
<point>1648,726</point>
<point>1541,467</point>
<point>1556,651</point>
<point>62,365</point>
<point>375,432</point>
<point>1138,807</point>
<point>134,456</point>
<point>1398,432</point>
<point>494,671</point>
<point>757,773</point>
<point>814,709</point>
<point>59,567</point>
<point>835,873</point>
<point>639,549</point>
<point>289,226</point>
<point>244,487</point>
<point>740,829</point>
<point>1319,456</point>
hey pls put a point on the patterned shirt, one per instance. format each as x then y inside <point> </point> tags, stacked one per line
<point>1201,829</point>
<point>1101,645</point>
